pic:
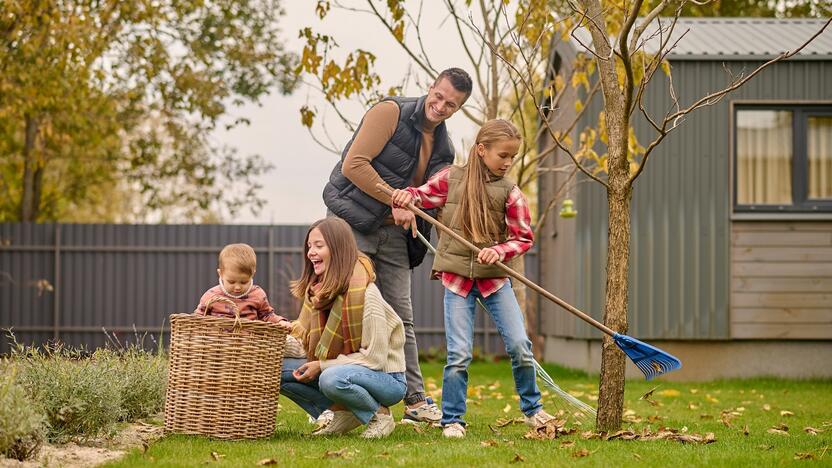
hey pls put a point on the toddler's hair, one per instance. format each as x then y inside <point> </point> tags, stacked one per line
<point>238,257</point>
<point>473,206</point>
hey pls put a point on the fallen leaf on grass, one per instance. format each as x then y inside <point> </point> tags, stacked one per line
<point>342,453</point>
<point>781,427</point>
<point>549,431</point>
<point>590,435</point>
<point>694,390</point>
<point>216,456</point>
<point>777,431</point>
<point>664,434</point>
<point>765,447</point>
<point>670,393</point>
<point>706,416</point>
<point>693,406</point>
<point>507,409</point>
<point>567,444</point>
<point>494,429</point>
<point>766,407</point>
<point>383,455</point>
<point>812,431</point>
<point>786,413</point>
<point>518,458</point>
<point>804,456</point>
<point>580,453</point>
<point>505,422</point>
<point>267,461</point>
<point>636,456</point>
<point>647,395</point>
<point>711,399</point>
<point>489,443</point>
<point>745,429</point>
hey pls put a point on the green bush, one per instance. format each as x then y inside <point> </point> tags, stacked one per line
<point>21,425</point>
<point>143,379</point>
<point>80,396</point>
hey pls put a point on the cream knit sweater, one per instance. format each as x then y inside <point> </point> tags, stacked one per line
<point>382,337</point>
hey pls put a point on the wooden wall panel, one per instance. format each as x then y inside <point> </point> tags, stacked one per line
<point>781,280</point>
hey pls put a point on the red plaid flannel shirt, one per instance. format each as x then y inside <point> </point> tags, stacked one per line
<point>434,194</point>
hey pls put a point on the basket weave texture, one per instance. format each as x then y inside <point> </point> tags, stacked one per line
<point>223,376</point>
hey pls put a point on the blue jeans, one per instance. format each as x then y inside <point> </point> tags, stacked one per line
<point>307,395</point>
<point>459,334</point>
<point>358,388</point>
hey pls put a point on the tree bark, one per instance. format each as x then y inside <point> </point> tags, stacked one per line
<point>30,199</point>
<point>613,360</point>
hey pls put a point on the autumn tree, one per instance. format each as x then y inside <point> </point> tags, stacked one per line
<point>106,107</point>
<point>627,42</point>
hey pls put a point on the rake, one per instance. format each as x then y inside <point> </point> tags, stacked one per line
<point>651,360</point>
<point>582,408</point>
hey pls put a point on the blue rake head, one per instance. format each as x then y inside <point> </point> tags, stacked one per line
<point>649,359</point>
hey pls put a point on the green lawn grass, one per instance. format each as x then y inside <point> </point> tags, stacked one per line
<point>695,406</point>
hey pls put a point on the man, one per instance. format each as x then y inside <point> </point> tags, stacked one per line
<point>401,142</point>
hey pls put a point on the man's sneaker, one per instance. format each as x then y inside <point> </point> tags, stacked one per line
<point>453,431</point>
<point>324,418</point>
<point>428,412</point>
<point>342,422</point>
<point>538,419</point>
<point>380,426</point>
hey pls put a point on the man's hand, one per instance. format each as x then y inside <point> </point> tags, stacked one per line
<point>406,219</point>
<point>488,256</point>
<point>401,198</point>
<point>308,372</point>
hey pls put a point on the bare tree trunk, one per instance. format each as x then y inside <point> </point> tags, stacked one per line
<point>613,360</point>
<point>30,199</point>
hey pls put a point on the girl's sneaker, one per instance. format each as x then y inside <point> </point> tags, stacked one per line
<point>428,412</point>
<point>342,422</point>
<point>538,419</point>
<point>380,426</point>
<point>324,419</point>
<point>453,431</point>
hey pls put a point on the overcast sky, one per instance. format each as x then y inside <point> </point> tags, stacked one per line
<point>293,188</point>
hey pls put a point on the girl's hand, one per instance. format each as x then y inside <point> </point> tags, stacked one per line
<point>308,372</point>
<point>401,198</point>
<point>286,324</point>
<point>488,256</point>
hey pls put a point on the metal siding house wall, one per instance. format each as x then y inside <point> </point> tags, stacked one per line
<point>682,229</point>
<point>127,279</point>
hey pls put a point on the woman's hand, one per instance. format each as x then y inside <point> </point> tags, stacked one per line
<point>488,256</point>
<point>308,372</point>
<point>401,198</point>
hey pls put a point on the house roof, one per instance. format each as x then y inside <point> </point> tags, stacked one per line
<point>738,38</point>
<point>750,38</point>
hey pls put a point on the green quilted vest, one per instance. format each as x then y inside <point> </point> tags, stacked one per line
<point>453,256</point>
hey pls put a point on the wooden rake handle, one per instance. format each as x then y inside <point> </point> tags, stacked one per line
<point>511,272</point>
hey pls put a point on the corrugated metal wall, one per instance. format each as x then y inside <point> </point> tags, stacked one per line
<point>119,277</point>
<point>679,263</point>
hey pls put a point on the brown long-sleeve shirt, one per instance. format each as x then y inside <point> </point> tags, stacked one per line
<point>378,127</point>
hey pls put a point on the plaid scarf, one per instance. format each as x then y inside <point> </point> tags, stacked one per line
<point>334,329</point>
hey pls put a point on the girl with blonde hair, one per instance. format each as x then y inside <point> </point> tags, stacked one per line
<point>481,204</point>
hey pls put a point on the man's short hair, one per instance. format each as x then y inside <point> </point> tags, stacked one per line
<point>239,257</point>
<point>459,78</point>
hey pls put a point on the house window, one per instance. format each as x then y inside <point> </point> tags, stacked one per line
<point>783,159</point>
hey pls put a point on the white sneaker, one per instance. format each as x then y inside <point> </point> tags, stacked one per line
<point>380,426</point>
<point>428,412</point>
<point>342,422</point>
<point>323,419</point>
<point>453,431</point>
<point>538,419</point>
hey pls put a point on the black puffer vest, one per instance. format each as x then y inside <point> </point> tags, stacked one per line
<point>395,164</point>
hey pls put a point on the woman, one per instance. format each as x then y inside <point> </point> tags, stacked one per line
<point>354,341</point>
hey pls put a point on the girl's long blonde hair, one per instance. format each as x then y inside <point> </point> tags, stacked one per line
<point>476,223</point>
<point>343,253</point>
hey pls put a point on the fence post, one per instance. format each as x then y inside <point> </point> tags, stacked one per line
<point>56,302</point>
<point>271,260</point>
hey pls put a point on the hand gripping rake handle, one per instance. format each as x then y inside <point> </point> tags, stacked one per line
<point>505,267</point>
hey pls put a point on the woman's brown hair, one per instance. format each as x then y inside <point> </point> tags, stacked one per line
<point>476,223</point>
<point>343,253</point>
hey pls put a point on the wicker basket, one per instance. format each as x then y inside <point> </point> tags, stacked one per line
<point>224,375</point>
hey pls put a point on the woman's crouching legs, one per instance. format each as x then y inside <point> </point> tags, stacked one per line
<point>362,390</point>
